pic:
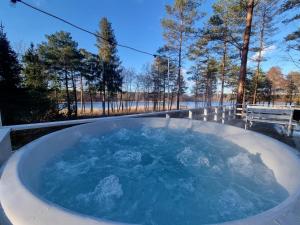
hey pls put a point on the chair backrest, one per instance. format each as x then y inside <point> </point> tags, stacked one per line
<point>270,113</point>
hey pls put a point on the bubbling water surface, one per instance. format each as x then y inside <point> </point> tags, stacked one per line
<point>160,176</point>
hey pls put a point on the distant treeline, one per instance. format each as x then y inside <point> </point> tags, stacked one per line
<point>48,80</point>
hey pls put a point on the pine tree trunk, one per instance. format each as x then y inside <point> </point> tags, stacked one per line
<point>104,89</point>
<point>137,101</point>
<point>81,96</point>
<point>164,94</point>
<point>207,85</point>
<point>244,54</point>
<point>75,92</point>
<point>68,95</point>
<point>122,103</point>
<point>91,101</point>
<point>108,102</point>
<point>56,99</point>
<point>179,72</point>
<point>172,99</point>
<point>223,73</point>
<point>257,74</point>
<point>103,103</point>
<point>261,45</point>
<point>158,99</point>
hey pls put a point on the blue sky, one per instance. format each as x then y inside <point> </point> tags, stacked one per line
<point>136,23</point>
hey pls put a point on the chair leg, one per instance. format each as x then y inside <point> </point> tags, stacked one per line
<point>290,131</point>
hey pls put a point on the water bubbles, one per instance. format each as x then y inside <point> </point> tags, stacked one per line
<point>108,187</point>
<point>251,166</point>
<point>186,157</point>
<point>69,169</point>
<point>161,177</point>
<point>105,193</point>
<point>124,156</point>
<point>216,169</point>
<point>242,164</point>
<point>203,161</point>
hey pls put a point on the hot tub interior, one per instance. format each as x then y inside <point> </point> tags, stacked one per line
<point>147,174</point>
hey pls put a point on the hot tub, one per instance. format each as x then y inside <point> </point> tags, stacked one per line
<point>151,171</point>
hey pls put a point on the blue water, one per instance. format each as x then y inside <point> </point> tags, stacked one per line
<point>160,177</point>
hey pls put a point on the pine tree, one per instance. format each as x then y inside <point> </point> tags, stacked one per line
<point>277,81</point>
<point>10,67</point>
<point>111,82</point>
<point>163,74</point>
<point>146,85</point>
<point>179,25</point>
<point>156,77</point>
<point>129,77</point>
<point>290,5</point>
<point>204,72</point>
<point>40,105</point>
<point>61,59</point>
<point>10,81</point>
<point>293,39</point>
<point>295,77</point>
<point>33,71</point>
<point>90,72</point>
<point>205,80</point>
<point>291,89</point>
<point>264,28</point>
<point>224,28</point>
<point>250,4</point>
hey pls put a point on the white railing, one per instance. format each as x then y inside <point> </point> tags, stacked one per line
<point>216,114</point>
<point>81,121</point>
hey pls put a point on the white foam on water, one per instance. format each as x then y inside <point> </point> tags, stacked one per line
<point>247,167</point>
<point>216,169</point>
<point>82,166</point>
<point>108,187</point>
<point>186,156</point>
<point>105,193</point>
<point>242,164</point>
<point>124,156</point>
<point>203,161</point>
